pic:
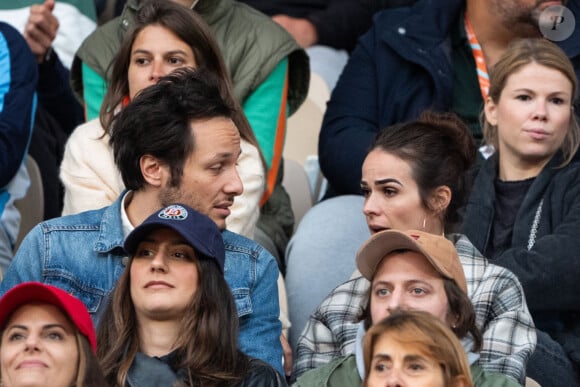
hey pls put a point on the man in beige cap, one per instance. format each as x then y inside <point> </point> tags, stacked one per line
<point>410,270</point>
<point>416,270</point>
<point>438,250</point>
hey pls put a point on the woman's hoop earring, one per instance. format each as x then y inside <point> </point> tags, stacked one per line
<point>424,222</point>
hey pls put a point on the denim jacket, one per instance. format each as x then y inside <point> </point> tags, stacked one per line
<point>83,255</point>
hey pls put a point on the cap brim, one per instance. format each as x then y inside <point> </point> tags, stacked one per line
<point>381,244</point>
<point>23,294</point>
<point>140,232</point>
<point>36,292</point>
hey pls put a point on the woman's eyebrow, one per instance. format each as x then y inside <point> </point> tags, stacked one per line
<point>387,180</point>
<point>382,356</point>
<point>16,326</point>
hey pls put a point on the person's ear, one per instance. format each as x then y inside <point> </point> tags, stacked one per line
<point>154,172</point>
<point>440,199</point>
<point>490,110</point>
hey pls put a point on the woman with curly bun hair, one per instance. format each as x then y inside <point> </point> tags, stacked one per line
<point>415,177</point>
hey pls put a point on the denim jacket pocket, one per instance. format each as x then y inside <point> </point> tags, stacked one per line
<point>243,301</point>
<point>90,296</point>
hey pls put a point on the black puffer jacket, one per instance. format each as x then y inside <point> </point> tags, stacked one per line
<point>544,251</point>
<point>262,375</point>
<point>161,371</point>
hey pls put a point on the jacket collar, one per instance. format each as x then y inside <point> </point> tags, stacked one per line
<point>421,35</point>
<point>203,7</point>
<point>154,371</point>
<point>358,349</point>
<point>111,229</point>
<point>212,10</point>
<point>490,167</point>
<point>426,24</point>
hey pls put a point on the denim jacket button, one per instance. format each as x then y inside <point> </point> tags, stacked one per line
<point>125,261</point>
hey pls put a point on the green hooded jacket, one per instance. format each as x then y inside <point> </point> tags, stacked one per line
<point>342,372</point>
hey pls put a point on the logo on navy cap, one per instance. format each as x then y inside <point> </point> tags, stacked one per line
<point>173,212</point>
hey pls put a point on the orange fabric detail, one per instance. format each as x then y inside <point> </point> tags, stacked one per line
<point>278,146</point>
<point>125,101</point>
<point>482,73</point>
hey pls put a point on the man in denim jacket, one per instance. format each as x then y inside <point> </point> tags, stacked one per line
<point>175,142</point>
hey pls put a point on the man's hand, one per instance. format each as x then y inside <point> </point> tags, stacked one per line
<point>40,29</point>
<point>301,29</point>
<point>287,355</point>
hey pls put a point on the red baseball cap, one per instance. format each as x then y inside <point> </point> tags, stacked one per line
<point>29,292</point>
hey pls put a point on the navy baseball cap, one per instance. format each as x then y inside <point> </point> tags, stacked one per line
<point>198,230</point>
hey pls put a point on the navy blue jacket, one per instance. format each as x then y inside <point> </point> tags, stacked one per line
<point>545,245</point>
<point>18,77</point>
<point>400,67</point>
<point>338,23</point>
<point>55,95</point>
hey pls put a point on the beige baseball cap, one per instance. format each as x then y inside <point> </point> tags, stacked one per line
<point>438,250</point>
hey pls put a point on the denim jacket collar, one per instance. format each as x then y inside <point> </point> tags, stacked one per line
<point>111,229</point>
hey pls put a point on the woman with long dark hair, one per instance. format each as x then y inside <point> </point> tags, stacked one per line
<point>170,318</point>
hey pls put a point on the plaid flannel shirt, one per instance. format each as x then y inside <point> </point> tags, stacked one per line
<point>509,335</point>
